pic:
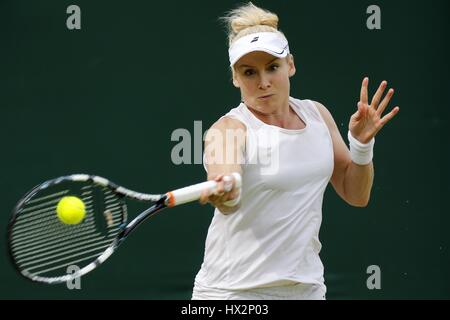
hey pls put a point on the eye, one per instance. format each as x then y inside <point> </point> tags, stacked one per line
<point>273,67</point>
<point>249,72</point>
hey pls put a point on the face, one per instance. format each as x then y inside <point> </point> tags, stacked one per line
<point>264,80</point>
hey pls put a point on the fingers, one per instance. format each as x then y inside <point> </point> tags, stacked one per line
<point>218,201</point>
<point>377,96</point>
<point>224,192</point>
<point>364,96</point>
<point>361,111</point>
<point>227,183</point>
<point>375,103</point>
<point>207,195</point>
<point>204,198</point>
<point>389,116</point>
<point>385,102</point>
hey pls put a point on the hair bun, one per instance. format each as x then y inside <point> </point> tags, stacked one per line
<point>249,16</point>
<point>255,17</point>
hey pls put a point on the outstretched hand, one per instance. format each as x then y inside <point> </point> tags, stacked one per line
<point>367,121</point>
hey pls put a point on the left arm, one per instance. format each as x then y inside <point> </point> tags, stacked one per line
<point>353,182</point>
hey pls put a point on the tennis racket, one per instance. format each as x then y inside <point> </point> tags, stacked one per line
<point>42,247</point>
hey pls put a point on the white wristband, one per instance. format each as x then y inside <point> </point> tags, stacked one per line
<point>361,153</point>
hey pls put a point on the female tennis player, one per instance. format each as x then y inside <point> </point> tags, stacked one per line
<point>263,241</point>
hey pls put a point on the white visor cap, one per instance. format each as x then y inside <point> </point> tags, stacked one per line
<point>271,42</point>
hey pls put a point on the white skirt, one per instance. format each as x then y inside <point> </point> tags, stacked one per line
<point>300,291</point>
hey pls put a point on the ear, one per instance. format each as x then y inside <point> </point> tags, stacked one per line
<point>291,65</point>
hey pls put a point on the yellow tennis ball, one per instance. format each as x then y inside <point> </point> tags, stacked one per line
<point>71,210</point>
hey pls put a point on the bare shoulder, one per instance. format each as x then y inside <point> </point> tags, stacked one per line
<point>326,115</point>
<point>323,110</point>
<point>228,123</point>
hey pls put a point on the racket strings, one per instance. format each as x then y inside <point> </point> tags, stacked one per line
<point>49,222</point>
<point>35,249</point>
<point>41,227</point>
<point>38,215</point>
<point>61,248</point>
<point>26,228</point>
<point>42,245</point>
<point>48,210</point>
<point>51,237</point>
<point>88,228</point>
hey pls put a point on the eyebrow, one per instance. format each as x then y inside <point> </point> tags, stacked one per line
<point>247,66</point>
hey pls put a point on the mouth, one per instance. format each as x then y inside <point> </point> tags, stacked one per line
<point>265,97</point>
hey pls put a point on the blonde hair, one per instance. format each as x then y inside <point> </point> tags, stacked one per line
<point>248,19</point>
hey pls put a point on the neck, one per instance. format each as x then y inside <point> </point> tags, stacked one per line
<point>279,116</point>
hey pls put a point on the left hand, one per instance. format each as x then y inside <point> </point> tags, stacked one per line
<point>367,121</point>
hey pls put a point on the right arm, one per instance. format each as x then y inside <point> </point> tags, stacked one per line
<point>224,153</point>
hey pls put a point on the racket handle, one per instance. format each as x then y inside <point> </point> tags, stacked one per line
<point>193,192</point>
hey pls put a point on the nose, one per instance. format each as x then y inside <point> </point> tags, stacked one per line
<point>264,82</point>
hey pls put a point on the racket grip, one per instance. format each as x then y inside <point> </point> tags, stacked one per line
<point>193,192</point>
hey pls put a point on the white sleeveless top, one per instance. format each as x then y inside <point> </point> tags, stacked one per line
<point>273,239</point>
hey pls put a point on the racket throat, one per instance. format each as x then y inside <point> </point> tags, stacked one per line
<point>158,206</point>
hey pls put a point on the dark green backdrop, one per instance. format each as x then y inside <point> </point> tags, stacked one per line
<point>105,100</point>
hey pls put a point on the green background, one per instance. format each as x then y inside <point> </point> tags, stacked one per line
<point>105,100</point>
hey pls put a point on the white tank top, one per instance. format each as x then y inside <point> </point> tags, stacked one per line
<point>273,239</point>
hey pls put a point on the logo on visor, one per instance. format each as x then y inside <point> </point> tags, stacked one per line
<point>254,39</point>
<point>282,51</point>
